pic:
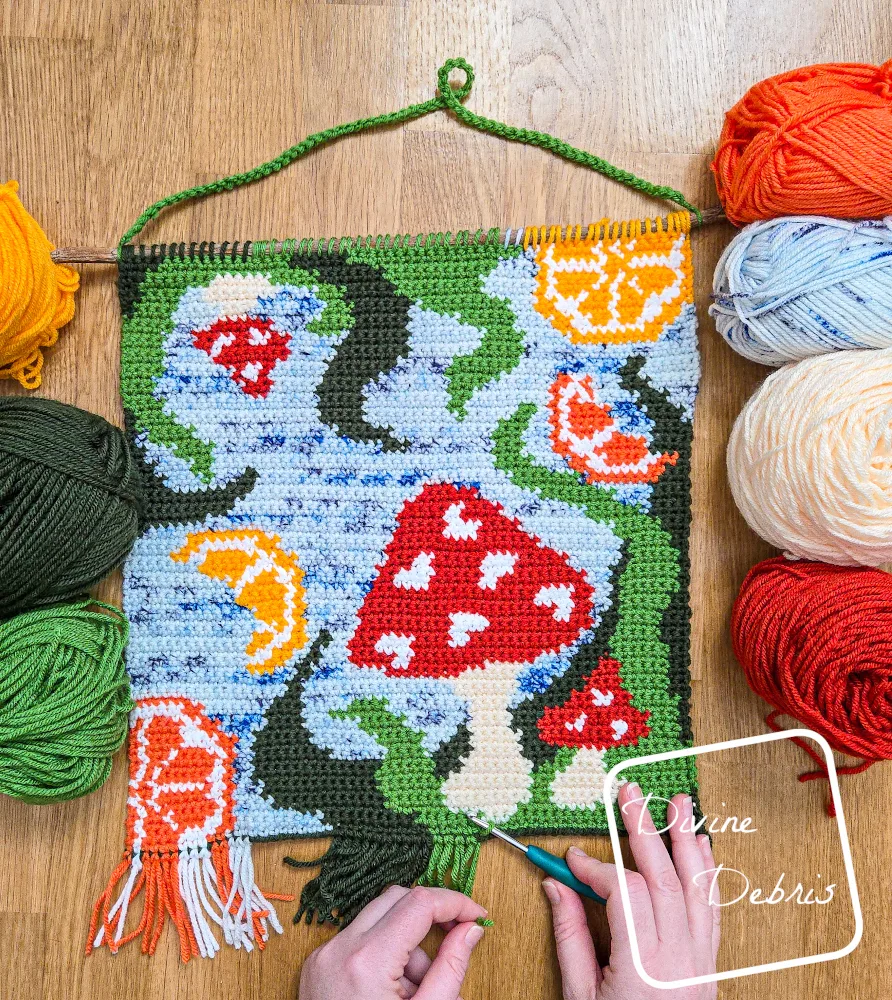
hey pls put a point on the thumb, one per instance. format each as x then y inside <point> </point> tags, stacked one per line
<point>580,971</point>
<point>444,978</point>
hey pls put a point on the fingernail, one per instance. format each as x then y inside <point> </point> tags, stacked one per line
<point>551,890</point>
<point>634,789</point>
<point>578,851</point>
<point>688,807</point>
<point>475,933</point>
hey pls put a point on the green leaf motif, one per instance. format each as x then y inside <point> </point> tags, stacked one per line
<point>468,264</point>
<point>650,578</point>
<point>408,783</point>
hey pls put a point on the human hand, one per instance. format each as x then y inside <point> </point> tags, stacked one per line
<point>379,955</point>
<point>676,927</point>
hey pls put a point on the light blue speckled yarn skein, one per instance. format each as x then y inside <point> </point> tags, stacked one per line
<point>791,288</point>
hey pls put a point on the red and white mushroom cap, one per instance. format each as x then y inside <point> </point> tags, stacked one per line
<point>461,585</point>
<point>600,716</point>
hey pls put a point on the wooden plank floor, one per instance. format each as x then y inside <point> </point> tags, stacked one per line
<point>106,105</point>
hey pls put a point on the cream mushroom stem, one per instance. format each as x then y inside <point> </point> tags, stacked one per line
<point>581,784</point>
<point>495,777</point>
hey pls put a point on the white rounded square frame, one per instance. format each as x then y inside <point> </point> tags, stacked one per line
<point>750,970</point>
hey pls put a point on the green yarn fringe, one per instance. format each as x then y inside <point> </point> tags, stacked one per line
<point>453,864</point>
<point>354,870</point>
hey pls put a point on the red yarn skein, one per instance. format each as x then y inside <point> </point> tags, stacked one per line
<point>815,641</point>
<point>813,141</point>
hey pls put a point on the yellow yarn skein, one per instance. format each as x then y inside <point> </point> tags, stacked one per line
<point>36,295</point>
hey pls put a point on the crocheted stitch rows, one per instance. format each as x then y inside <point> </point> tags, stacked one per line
<point>415,543</point>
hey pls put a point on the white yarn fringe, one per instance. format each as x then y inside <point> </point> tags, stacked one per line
<point>205,907</point>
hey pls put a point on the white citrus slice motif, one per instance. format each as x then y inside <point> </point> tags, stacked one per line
<point>612,293</point>
<point>585,433</point>
<point>181,780</point>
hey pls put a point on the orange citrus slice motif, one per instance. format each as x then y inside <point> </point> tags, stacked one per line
<point>266,579</point>
<point>613,291</point>
<point>586,435</point>
<point>181,776</point>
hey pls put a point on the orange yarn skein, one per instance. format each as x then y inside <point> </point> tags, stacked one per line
<point>813,141</point>
<point>36,295</point>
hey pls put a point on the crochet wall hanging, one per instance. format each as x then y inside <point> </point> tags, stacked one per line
<point>415,546</point>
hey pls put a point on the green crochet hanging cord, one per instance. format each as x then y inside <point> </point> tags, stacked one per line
<point>447,98</point>
<point>414,547</point>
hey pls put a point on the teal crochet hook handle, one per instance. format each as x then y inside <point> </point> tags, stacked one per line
<point>551,864</point>
<point>558,869</point>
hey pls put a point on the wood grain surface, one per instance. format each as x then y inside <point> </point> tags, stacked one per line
<point>106,105</point>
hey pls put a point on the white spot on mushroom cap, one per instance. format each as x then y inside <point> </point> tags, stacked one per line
<point>258,337</point>
<point>252,370</point>
<point>224,340</point>
<point>578,724</point>
<point>600,698</point>
<point>400,646</point>
<point>463,624</point>
<point>558,596</point>
<point>494,566</point>
<point>419,575</point>
<point>620,728</point>
<point>457,528</point>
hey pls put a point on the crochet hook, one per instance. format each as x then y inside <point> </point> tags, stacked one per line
<point>551,864</point>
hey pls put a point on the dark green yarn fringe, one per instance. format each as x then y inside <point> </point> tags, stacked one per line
<point>354,870</point>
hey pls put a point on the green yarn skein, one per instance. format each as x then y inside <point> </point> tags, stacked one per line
<point>64,700</point>
<point>70,502</point>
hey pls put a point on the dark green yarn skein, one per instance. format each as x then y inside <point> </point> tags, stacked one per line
<point>70,502</point>
<point>64,700</point>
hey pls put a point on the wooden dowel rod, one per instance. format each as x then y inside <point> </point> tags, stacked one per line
<point>109,255</point>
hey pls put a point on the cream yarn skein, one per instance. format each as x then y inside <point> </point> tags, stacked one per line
<point>810,458</point>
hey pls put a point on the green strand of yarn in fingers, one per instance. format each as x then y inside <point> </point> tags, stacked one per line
<point>447,98</point>
<point>64,700</point>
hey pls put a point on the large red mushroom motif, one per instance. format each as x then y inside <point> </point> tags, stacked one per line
<point>591,721</point>
<point>465,596</point>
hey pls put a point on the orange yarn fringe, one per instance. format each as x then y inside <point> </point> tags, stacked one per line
<point>195,889</point>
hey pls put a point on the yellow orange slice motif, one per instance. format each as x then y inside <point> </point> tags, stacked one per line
<point>613,291</point>
<point>266,579</point>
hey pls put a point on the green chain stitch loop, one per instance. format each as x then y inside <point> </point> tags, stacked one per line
<point>448,98</point>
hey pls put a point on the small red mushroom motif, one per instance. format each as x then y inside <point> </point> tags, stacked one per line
<point>249,347</point>
<point>466,596</point>
<point>592,720</point>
